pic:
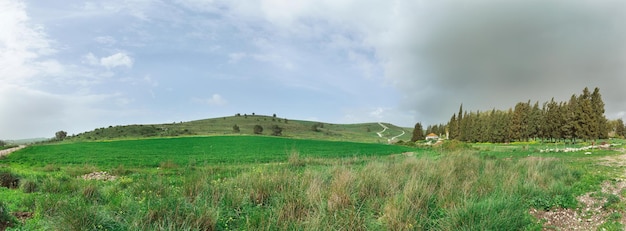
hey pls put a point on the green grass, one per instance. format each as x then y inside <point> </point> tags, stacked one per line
<point>269,183</point>
<point>214,149</point>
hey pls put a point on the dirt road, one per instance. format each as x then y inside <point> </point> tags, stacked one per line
<point>10,150</point>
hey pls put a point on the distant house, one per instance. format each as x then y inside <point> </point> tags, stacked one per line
<point>432,136</point>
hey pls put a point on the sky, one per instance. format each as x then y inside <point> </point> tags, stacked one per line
<point>80,65</point>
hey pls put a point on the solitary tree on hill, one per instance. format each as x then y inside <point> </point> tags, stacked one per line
<point>60,135</point>
<point>236,128</point>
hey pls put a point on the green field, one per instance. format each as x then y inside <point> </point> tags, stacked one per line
<point>211,150</point>
<point>271,183</point>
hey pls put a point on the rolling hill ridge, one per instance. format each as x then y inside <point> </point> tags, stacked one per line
<point>245,125</point>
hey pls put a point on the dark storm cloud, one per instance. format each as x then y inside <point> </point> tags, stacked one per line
<point>496,53</point>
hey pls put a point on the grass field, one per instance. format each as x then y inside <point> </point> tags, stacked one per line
<point>269,183</point>
<point>210,150</point>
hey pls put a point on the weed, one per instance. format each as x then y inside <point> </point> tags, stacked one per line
<point>120,170</point>
<point>168,164</point>
<point>28,186</point>
<point>51,168</point>
<point>91,193</point>
<point>611,201</point>
<point>6,219</point>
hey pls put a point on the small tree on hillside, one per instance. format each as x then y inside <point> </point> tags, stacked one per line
<point>60,135</point>
<point>2,143</point>
<point>236,128</point>
<point>258,129</point>
<point>316,127</point>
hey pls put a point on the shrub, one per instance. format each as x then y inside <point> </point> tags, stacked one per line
<point>51,168</point>
<point>257,129</point>
<point>455,145</point>
<point>29,186</point>
<point>9,180</point>
<point>277,131</point>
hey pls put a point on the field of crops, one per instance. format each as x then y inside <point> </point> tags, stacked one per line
<point>214,149</point>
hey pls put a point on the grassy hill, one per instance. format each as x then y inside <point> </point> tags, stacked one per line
<point>365,132</point>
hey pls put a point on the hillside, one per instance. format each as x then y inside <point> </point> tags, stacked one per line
<point>365,132</point>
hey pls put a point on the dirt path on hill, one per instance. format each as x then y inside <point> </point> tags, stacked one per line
<point>10,150</point>
<point>380,134</point>
<point>592,212</point>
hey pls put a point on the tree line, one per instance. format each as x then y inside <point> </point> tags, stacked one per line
<point>580,118</point>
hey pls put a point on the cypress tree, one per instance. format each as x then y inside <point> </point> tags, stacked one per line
<point>585,116</point>
<point>453,128</point>
<point>619,128</point>
<point>459,122</point>
<point>599,126</point>
<point>418,133</point>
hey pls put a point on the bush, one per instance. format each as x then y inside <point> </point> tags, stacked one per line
<point>277,131</point>
<point>9,180</point>
<point>258,129</point>
<point>455,145</point>
<point>29,186</point>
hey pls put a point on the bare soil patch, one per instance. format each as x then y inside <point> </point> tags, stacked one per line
<point>595,209</point>
<point>105,176</point>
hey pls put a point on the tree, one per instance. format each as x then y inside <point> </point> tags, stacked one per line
<point>453,128</point>
<point>277,131</point>
<point>236,128</point>
<point>585,117</point>
<point>60,135</point>
<point>316,127</point>
<point>257,129</point>
<point>2,143</point>
<point>459,121</point>
<point>551,121</point>
<point>619,128</point>
<point>418,133</point>
<point>600,123</point>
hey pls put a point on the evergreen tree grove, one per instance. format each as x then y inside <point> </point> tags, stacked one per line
<point>580,118</point>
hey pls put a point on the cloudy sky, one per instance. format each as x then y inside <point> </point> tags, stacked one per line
<point>78,65</point>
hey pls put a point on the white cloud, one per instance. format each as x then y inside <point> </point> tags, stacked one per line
<point>116,60</point>
<point>215,100</point>
<point>22,44</point>
<point>106,40</point>
<point>236,57</point>
<point>272,58</point>
<point>377,113</point>
<point>91,59</point>
<point>120,59</point>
